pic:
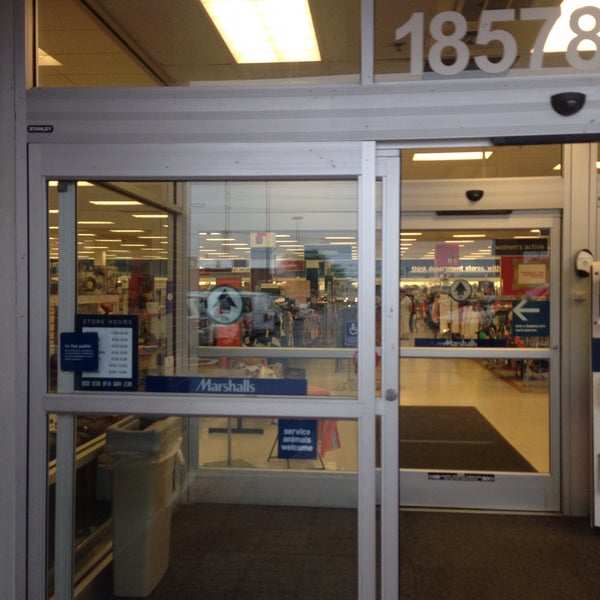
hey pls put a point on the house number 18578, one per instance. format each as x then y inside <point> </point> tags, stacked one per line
<point>448,30</point>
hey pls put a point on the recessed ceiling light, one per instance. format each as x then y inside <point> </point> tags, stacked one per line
<point>115,202</point>
<point>468,235</point>
<point>54,183</point>
<point>95,223</point>
<point>150,216</point>
<point>439,156</point>
<point>265,31</point>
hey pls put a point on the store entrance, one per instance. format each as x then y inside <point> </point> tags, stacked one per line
<point>479,365</point>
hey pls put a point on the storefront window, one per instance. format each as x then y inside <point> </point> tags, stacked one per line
<point>485,39</point>
<point>107,43</point>
<point>482,288</point>
<point>272,296</point>
<point>124,272</point>
<point>273,283</point>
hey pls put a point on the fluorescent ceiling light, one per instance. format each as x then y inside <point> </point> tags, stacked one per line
<point>150,216</point>
<point>127,230</point>
<point>95,223</point>
<point>115,202</point>
<point>45,60</point>
<point>468,235</point>
<point>54,183</point>
<point>439,156</point>
<point>265,31</point>
<point>561,34</point>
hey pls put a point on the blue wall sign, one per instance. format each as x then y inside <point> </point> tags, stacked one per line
<point>531,318</point>
<point>225,385</point>
<point>79,351</point>
<point>351,334</point>
<point>458,343</point>
<point>297,438</point>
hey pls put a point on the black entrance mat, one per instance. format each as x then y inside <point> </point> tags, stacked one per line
<point>454,438</point>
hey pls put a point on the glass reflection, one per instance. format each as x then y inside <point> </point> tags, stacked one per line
<point>484,415</point>
<point>475,288</point>
<point>274,292</point>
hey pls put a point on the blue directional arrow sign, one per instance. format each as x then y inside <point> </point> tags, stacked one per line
<point>531,318</point>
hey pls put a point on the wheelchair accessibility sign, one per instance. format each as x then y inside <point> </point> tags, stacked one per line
<point>351,334</point>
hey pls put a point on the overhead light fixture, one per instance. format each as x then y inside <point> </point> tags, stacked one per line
<point>561,33</point>
<point>115,202</point>
<point>127,230</point>
<point>95,223</point>
<point>150,216</point>
<point>440,156</point>
<point>265,31</point>
<point>468,235</point>
<point>54,183</point>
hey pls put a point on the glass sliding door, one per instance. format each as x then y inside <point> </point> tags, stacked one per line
<point>203,368</point>
<point>478,366</point>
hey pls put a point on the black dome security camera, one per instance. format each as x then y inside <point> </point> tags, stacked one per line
<point>567,103</point>
<point>474,195</point>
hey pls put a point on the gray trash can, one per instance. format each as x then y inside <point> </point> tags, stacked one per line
<point>142,455</point>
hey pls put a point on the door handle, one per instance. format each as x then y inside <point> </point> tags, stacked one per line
<point>391,395</point>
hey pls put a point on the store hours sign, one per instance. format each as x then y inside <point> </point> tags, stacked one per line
<point>451,35</point>
<point>116,367</point>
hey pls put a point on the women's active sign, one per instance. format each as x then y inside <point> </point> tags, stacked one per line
<point>450,38</point>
